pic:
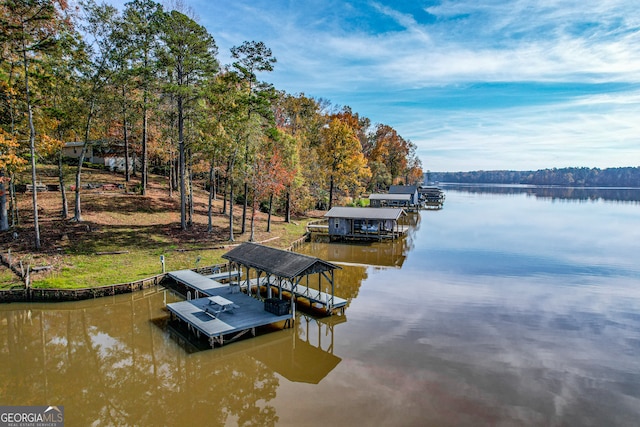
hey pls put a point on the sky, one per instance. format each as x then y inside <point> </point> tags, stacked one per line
<point>474,84</point>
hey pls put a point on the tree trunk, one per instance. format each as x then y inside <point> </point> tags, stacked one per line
<point>210,207</point>
<point>287,208</point>
<point>4,219</point>
<point>15,219</point>
<point>231,239</point>
<point>244,207</point>
<point>77,209</point>
<point>143,181</point>
<point>190,187</point>
<point>269,215</point>
<point>32,148</point>
<point>181,166</point>
<point>214,182</point>
<point>170,173</point>
<point>124,132</point>
<point>64,213</point>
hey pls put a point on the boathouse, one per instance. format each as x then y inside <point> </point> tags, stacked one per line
<point>384,200</point>
<point>300,276</point>
<point>431,197</point>
<point>412,190</point>
<point>365,223</point>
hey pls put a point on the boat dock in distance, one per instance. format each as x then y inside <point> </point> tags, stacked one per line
<point>224,312</point>
<point>362,223</point>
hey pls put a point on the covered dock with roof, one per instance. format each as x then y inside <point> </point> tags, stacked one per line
<point>384,200</point>
<point>365,223</point>
<point>280,270</point>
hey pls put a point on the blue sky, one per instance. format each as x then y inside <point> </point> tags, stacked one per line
<point>475,84</point>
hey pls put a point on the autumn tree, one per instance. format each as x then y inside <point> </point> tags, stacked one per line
<point>303,119</point>
<point>31,27</point>
<point>142,21</point>
<point>189,57</point>
<point>342,157</point>
<point>10,162</point>
<point>251,58</point>
<point>98,22</point>
<point>61,116</point>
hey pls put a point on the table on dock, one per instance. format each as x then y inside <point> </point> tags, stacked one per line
<point>242,314</point>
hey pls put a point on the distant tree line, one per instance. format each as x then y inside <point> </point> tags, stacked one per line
<point>572,177</point>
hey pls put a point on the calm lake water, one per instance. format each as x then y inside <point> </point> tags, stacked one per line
<point>509,307</point>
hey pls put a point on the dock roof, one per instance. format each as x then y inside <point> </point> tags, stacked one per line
<point>403,189</point>
<point>386,196</point>
<point>365,213</point>
<point>279,262</point>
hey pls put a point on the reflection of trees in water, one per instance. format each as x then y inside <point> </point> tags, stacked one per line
<point>626,195</point>
<point>110,364</point>
<point>348,281</point>
<point>356,258</point>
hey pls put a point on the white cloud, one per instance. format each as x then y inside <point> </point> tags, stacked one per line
<point>414,72</point>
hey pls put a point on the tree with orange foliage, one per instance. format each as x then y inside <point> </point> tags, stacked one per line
<point>271,175</point>
<point>342,156</point>
<point>10,162</point>
<point>31,28</point>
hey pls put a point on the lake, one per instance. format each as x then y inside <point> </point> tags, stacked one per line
<point>510,306</point>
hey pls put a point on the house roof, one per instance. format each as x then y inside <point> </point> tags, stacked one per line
<point>403,189</point>
<point>385,196</point>
<point>73,144</point>
<point>365,213</point>
<point>279,262</point>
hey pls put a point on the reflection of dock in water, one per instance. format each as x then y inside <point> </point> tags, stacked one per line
<point>389,254</point>
<point>306,360</point>
<point>303,354</point>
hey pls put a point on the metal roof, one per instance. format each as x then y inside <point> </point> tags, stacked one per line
<point>365,213</point>
<point>281,263</point>
<point>403,189</point>
<point>384,196</point>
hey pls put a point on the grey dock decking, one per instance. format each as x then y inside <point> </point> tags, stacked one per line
<point>221,310</point>
<point>247,314</point>
<point>302,291</point>
<point>197,281</point>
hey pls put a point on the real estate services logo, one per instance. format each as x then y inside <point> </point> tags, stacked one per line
<point>31,416</point>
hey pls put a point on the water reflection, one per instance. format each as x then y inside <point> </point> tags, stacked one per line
<point>109,363</point>
<point>496,310</point>
<point>379,255</point>
<point>628,195</point>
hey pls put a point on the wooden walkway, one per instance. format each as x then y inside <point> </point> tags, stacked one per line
<point>329,302</point>
<point>222,314</point>
<point>197,282</point>
<point>226,276</point>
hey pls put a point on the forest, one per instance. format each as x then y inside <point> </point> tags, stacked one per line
<point>144,84</point>
<point>569,177</point>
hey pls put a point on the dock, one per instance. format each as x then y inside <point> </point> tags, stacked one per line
<point>222,314</point>
<point>286,271</point>
<point>326,300</point>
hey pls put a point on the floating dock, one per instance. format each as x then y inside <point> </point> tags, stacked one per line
<point>222,314</point>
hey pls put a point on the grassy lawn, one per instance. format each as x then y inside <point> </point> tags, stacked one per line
<point>122,235</point>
